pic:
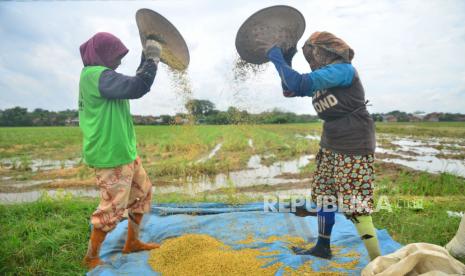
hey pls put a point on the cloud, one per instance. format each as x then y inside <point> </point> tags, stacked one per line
<point>408,53</point>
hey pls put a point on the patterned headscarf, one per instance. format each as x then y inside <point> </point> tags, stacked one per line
<point>102,49</point>
<point>323,48</point>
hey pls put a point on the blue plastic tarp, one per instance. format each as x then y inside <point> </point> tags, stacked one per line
<point>230,224</point>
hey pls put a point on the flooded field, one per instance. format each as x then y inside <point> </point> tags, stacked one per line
<point>217,161</point>
<point>433,155</point>
<point>38,164</point>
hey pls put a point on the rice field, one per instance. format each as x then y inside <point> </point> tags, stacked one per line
<point>43,182</point>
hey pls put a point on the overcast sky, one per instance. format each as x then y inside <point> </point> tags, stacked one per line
<point>410,54</point>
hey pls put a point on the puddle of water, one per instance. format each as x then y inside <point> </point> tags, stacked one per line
<point>254,162</point>
<point>23,197</point>
<point>256,174</point>
<point>417,147</point>
<point>425,156</point>
<point>28,183</point>
<point>31,196</point>
<point>412,143</point>
<point>284,194</point>
<point>309,137</point>
<point>453,214</point>
<point>432,164</point>
<point>313,137</point>
<point>211,154</point>
<point>424,141</point>
<point>452,152</point>
<point>251,143</point>
<point>40,164</point>
<point>302,193</point>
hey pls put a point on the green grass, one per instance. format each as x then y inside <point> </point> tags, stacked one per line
<point>44,238</point>
<point>430,224</point>
<point>40,142</point>
<point>431,129</point>
<point>396,180</point>
<point>65,142</point>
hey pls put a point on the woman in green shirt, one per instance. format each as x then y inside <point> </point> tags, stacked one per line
<point>109,142</point>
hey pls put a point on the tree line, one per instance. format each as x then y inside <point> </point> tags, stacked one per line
<point>199,112</point>
<point>20,116</point>
<point>418,116</point>
<point>205,112</point>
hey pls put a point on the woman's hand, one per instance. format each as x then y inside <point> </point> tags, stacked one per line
<point>266,46</point>
<point>289,54</point>
<point>153,50</point>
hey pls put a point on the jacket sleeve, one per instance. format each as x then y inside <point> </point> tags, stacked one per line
<point>296,84</point>
<point>333,75</point>
<point>113,85</point>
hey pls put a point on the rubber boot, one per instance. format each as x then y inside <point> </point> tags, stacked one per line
<point>322,249</point>
<point>92,259</point>
<point>133,244</point>
<point>301,211</point>
<point>367,232</point>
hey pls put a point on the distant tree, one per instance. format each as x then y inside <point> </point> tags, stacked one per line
<point>41,117</point>
<point>377,117</point>
<point>401,116</point>
<point>181,115</point>
<point>199,108</point>
<point>277,116</point>
<point>306,118</point>
<point>166,119</point>
<point>70,113</point>
<point>451,117</point>
<point>237,116</point>
<point>218,118</point>
<point>16,116</point>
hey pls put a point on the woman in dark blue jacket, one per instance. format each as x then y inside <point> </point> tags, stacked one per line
<point>344,171</point>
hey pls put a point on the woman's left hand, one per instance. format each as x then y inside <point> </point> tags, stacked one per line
<point>289,54</point>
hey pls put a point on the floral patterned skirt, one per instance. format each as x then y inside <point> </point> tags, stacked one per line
<point>344,180</point>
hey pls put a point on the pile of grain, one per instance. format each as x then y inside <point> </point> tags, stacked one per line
<point>292,240</point>
<point>198,254</point>
<point>306,269</point>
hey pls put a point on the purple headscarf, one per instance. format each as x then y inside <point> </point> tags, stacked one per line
<point>102,49</point>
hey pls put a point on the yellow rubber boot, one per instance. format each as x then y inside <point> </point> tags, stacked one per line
<point>367,232</point>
